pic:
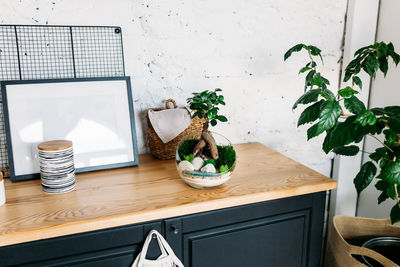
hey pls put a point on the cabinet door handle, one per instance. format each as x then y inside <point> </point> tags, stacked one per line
<point>175,229</point>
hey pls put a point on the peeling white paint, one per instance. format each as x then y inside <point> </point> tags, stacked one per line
<point>173,48</point>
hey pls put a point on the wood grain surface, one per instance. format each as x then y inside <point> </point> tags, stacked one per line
<point>55,145</point>
<point>147,192</point>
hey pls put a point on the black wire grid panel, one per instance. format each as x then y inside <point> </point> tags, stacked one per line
<point>29,52</point>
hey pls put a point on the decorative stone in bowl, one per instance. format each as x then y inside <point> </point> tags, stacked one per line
<point>202,171</point>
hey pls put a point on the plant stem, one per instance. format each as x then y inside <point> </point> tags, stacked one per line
<point>309,54</point>
<point>397,195</point>
<point>381,142</point>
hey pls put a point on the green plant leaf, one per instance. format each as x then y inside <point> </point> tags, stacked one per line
<point>222,118</point>
<point>304,69</point>
<point>394,123</point>
<point>365,176</point>
<point>382,185</point>
<point>308,97</point>
<point>342,134</point>
<point>347,150</point>
<point>319,81</point>
<point>347,92</point>
<point>308,79</point>
<point>390,137</point>
<point>362,49</point>
<point>391,172</point>
<point>371,65</point>
<point>354,105</point>
<point>378,111</point>
<point>392,110</point>
<point>295,48</point>
<point>326,145</point>
<point>314,131</point>
<point>329,115</point>
<point>366,118</point>
<point>383,64</point>
<point>315,51</point>
<point>311,113</point>
<point>378,154</point>
<point>391,192</point>
<point>327,94</point>
<point>213,122</point>
<point>395,213</point>
<point>357,81</point>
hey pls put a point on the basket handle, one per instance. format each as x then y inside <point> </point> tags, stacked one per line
<point>354,250</point>
<point>170,101</point>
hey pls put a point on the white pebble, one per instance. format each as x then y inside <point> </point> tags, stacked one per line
<point>185,165</point>
<point>197,163</point>
<point>208,168</point>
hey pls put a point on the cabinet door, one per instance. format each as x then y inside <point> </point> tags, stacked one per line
<point>276,241</point>
<point>282,232</point>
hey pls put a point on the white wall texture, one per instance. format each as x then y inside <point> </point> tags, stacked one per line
<point>176,47</point>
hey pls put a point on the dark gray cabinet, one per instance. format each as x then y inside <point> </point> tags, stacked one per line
<point>283,232</point>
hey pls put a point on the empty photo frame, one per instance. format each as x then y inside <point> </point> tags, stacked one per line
<point>97,115</point>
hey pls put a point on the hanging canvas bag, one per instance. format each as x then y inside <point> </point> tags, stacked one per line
<point>166,259</point>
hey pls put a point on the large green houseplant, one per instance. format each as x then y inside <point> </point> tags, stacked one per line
<point>344,129</point>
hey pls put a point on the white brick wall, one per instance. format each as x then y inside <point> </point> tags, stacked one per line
<point>173,48</point>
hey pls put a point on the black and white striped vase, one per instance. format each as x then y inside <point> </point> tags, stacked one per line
<point>57,170</point>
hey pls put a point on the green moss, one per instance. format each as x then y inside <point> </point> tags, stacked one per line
<point>212,161</point>
<point>186,148</point>
<point>227,156</point>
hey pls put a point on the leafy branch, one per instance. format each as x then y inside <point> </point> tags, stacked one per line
<point>344,131</point>
<point>205,105</point>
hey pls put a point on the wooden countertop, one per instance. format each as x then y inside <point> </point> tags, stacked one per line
<point>148,192</point>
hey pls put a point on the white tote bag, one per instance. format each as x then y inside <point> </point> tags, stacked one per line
<point>166,259</point>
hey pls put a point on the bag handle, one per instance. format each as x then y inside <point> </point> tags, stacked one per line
<point>167,106</point>
<point>164,247</point>
<point>363,251</point>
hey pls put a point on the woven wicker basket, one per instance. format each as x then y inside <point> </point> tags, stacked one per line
<point>162,150</point>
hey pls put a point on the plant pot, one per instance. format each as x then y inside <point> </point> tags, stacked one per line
<point>204,179</point>
<point>347,235</point>
<point>388,247</point>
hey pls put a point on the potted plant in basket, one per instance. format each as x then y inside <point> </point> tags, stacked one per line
<point>206,159</point>
<point>326,110</point>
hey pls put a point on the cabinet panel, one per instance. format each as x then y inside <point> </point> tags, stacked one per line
<point>275,241</point>
<point>83,247</point>
<point>242,213</point>
<point>113,257</point>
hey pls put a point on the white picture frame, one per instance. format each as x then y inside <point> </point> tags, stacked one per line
<point>96,114</point>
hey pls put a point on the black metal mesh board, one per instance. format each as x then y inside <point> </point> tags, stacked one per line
<point>30,52</point>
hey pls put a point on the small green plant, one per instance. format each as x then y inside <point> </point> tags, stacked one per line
<point>189,157</point>
<point>205,105</point>
<point>344,130</point>
<point>223,168</point>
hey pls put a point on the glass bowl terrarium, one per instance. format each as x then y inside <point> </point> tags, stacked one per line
<point>203,171</point>
<point>206,159</point>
